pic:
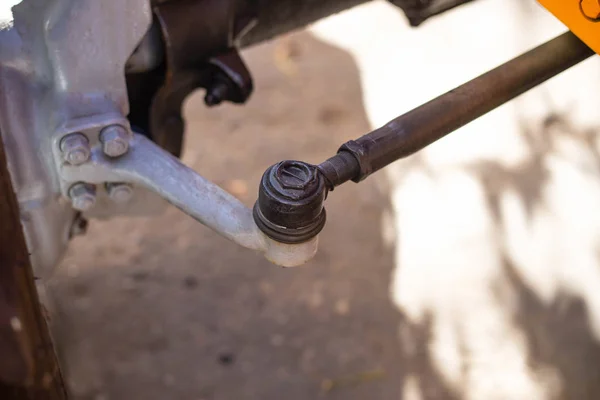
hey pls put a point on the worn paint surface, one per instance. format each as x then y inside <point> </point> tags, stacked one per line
<point>580,16</point>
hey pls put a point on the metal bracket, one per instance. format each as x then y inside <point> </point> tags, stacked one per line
<point>149,166</point>
<point>142,201</point>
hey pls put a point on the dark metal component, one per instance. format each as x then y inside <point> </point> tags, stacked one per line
<point>417,11</point>
<point>424,125</point>
<point>149,53</point>
<point>216,94</point>
<point>289,208</point>
<point>232,80</point>
<point>193,31</point>
<point>199,38</point>
<point>28,365</point>
<point>277,17</point>
<point>277,210</point>
<point>141,89</point>
<point>166,123</point>
<point>339,169</point>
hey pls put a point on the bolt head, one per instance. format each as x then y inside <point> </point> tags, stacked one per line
<point>75,148</point>
<point>83,196</point>
<point>216,94</point>
<point>591,9</point>
<point>115,140</point>
<point>120,192</point>
<point>295,175</point>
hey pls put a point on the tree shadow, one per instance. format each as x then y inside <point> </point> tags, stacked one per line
<point>417,338</point>
<point>528,178</point>
<point>558,336</point>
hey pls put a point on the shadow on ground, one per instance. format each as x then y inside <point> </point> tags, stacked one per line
<point>559,338</point>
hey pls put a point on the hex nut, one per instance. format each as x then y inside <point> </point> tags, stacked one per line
<point>295,175</point>
<point>75,148</point>
<point>119,192</point>
<point>115,140</point>
<point>83,196</point>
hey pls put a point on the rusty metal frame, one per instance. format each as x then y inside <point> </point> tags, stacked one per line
<point>29,367</point>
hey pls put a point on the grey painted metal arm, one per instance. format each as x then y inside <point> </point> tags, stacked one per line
<point>148,165</point>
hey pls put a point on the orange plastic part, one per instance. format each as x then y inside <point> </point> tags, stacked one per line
<point>582,17</point>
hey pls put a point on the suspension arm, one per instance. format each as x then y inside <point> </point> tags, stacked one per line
<point>147,165</point>
<point>277,211</point>
<point>432,121</point>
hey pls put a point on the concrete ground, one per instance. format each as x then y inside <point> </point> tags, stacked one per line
<point>163,308</point>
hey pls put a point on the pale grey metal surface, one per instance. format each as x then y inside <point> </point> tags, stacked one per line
<point>146,164</point>
<point>45,220</point>
<point>115,140</point>
<point>83,196</point>
<point>62,70</point>
<point>75,148</point>
<point>59,61</point>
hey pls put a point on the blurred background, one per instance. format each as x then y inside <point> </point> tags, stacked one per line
<point>163,308</point>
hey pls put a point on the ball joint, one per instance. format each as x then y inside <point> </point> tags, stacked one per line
<point>289,208</point>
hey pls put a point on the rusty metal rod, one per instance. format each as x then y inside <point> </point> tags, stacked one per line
<point>429,122</point>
